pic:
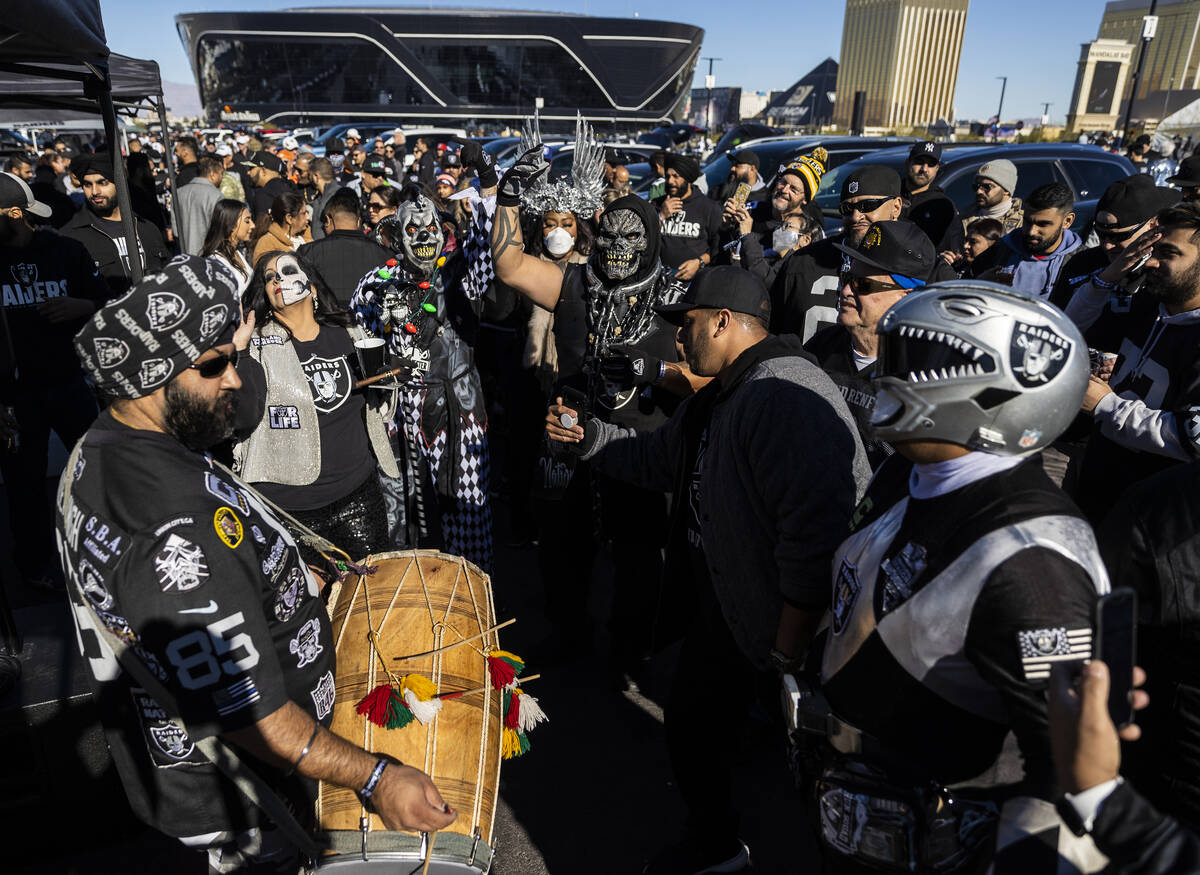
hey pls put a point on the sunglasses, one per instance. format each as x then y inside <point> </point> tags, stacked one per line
<point>215,367</point>
<point>861,285</point>
<point>869,205</point>
<point>1107,236</point>
<point>374,208</point>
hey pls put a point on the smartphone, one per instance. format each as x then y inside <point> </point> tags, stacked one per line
<point>1116,644</point>
<point>740,194</point>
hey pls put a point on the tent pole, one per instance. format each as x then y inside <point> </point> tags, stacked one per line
<point>170,162</point>
<point>121,181</point>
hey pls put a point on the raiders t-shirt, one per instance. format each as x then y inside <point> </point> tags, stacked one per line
<point>191,569</point>
<point>692,231</point>
<point>346,456</point>
<point>52,266</point>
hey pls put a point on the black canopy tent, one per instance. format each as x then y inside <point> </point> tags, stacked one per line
<point>53,55</point>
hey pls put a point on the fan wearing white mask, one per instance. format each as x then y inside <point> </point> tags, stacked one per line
<point>565,238</point>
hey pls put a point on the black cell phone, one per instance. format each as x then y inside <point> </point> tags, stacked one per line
<point>1116,644</point>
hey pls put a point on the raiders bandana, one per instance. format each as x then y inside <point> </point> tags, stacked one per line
<point>138,342</point>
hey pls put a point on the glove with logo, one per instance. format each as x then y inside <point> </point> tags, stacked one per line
<point>473,156</point>
<point>627,367</point>
<point>522,176</point>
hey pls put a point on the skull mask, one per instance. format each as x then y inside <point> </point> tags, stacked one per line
<point>620,244</point>
<point>293,281</point>
<point>417,234</point>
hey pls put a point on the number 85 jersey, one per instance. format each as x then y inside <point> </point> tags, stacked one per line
<point>206,587</point>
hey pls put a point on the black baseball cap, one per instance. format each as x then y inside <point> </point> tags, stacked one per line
<point>900,249</point>
<point>15,193</point>
<point>928,150</point>
<point>874,180</point>
<point>264,159</point>
<point>722,288</point>
<point>1189,173</point>
<point>377,166</point>
<point>1135,199</point>
<point>744,157</point>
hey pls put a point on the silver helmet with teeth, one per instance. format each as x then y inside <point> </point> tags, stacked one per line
<point>979,365</point>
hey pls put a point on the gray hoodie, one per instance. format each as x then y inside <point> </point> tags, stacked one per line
<point>1035,274</point>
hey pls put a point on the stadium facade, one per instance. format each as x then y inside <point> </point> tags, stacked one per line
<point>314,66</point>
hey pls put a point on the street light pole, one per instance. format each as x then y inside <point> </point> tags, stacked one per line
<point>996,130</point>
<point>708,84</point>
<point>1149,24</point>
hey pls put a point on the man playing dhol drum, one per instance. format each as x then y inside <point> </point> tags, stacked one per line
<point>185,586</point>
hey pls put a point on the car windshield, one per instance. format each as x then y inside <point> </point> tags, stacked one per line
<point>829,193</point>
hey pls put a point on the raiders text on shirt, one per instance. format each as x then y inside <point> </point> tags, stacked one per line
<point>27,290</point>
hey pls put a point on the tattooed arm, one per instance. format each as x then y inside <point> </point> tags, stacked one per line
<point>540,281</point>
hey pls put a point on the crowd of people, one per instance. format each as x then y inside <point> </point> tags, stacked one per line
<point>894,468</point>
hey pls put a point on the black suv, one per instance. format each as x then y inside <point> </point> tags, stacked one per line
<point>1088,170</point>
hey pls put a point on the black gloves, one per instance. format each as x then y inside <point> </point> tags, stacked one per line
<point>530,167</point>
<point>627,366</point>
<point>472,155</point>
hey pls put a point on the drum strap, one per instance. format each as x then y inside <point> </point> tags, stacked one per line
<point>253,787</point>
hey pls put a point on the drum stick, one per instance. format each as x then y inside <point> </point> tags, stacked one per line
<point>378,378</point>
<point>454,694</point>
<point>429,854</point>
<point>445,647</point>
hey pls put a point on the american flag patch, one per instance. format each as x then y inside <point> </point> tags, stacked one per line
<point>1041,647</point>
<point>236,696</point>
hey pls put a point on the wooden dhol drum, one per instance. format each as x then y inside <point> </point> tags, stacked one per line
<point>420,600</point>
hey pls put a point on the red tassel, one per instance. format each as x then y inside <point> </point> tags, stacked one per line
<point>375,704</point>
<point>512,716</point>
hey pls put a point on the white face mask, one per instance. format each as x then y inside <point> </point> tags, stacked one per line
<point>559,242</point>
<point>784,238</point>
<point>293,281</point>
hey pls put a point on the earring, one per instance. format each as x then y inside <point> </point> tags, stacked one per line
<point>314,297</point>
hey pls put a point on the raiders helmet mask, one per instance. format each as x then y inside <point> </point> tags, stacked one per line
<point>979,365</point>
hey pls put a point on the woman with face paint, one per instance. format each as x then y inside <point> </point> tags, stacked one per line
<point>310,442</point>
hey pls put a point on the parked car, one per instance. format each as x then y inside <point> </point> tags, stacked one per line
<point>371,130</point>
<point>744,133</point>
<point>774,152</point>
<point>671,136</point>
<point>563,154</point>
<point>1087,169</point>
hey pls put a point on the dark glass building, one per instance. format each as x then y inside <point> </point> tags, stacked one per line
<point>313,66</point>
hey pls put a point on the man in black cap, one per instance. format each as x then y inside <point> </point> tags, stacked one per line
<point>48,286</point>
<point>804,296</point>
<point>891,260</point>
<point>1125,206</point>
<point>99,228</point>
<point>925,204</point>
<point>743,167</point>
<point>266,174</point>
<point>376,173</point>
<point>1188,178</point>
<point>690,222</point>
<point>759,545</point>
<point>186,586</point>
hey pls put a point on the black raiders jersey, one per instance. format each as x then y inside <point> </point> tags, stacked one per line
<point>198,577</point>
<point>947,614</point>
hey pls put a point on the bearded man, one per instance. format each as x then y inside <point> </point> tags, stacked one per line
<point>1147,416</point>
<point>617,361</point>
<point>1031,256</point>
<point>426,302</point>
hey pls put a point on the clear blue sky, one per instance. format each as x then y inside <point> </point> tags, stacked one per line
<point>765,46</point>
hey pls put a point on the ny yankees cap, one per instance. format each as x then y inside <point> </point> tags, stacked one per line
<point>15,193</point>
<point>928,150</point>
<point>721,288</point>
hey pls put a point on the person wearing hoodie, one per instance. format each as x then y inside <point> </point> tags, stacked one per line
<point>759,545</point>
<point>619,356</point>
<point>1146,416</point>
<point>1040,247</point>
<point>925,204</point>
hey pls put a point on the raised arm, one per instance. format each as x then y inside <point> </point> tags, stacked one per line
<point>540,281</point>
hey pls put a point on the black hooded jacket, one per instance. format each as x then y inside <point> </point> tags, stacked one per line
<point>650,407</point>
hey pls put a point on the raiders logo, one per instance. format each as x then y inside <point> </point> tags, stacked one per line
<point>24,273</point>
<point>93,586</point>
<point>110,352</point>
<point>289,596</point>
<point>306,646</point>
<point>1038,354</point>
<point>165,310</point>
<point>845,593</point>
<point>155,372</point>
<point>330,382</point>
<point>212,319</point>
<point>167,743</point>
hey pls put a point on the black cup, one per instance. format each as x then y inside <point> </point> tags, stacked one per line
<point>372,352</point>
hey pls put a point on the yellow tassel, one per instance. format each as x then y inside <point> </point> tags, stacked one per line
<point>422,687</point>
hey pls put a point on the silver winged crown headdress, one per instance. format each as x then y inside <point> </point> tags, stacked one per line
<point>581,194</point>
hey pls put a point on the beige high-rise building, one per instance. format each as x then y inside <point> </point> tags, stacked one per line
<point>904,54</point>
<point>1173,60</point>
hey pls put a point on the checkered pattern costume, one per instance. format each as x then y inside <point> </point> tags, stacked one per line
<point>442,420</point>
